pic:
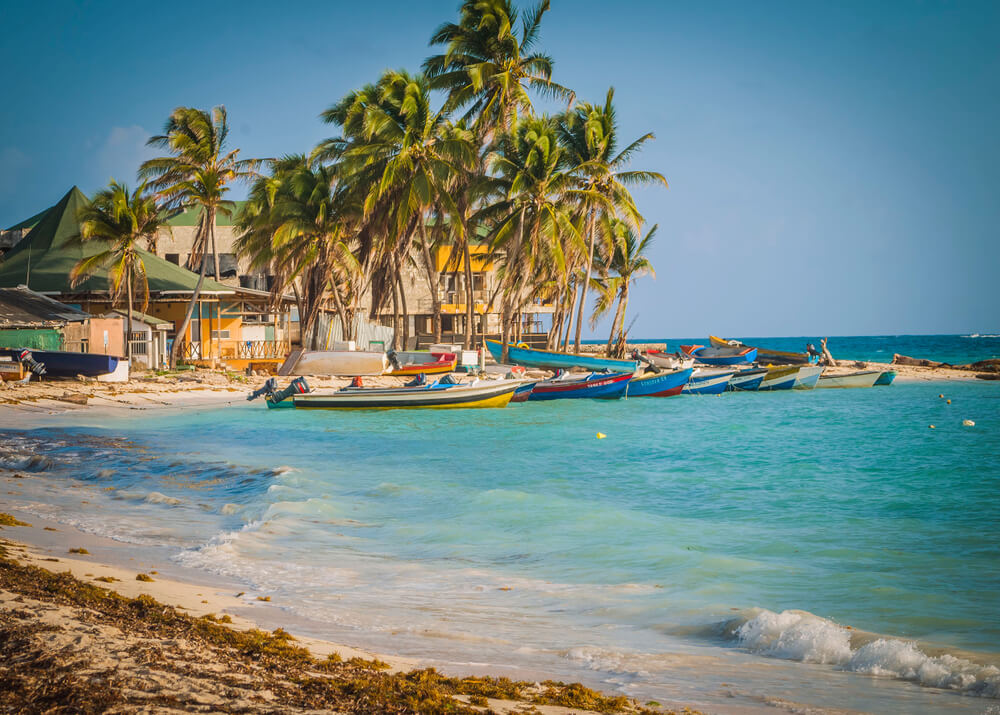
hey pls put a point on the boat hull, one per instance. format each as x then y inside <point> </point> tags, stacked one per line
<point>713,383</point>
<point>443,362</point>
<point>664,384</point>
<point>807,377</point>
<point>747,380</point>
<point>775,357</point>
<point>886,378</point>
<point>778,378</point>
<point>59,363</point>
<point>601,387</point>
<point>454,397</point>
<point>523,392</point>
<point>668,361</point>
<point>720,356</point>
<point>349,363</point>
<point>866,378</point>
<point>548,359</point>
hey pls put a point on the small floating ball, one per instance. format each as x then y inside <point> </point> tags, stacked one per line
<point>601,435</point>
<point>941,396</point>
<point>968,423</point>
<point>948,401</point>
<point>931,426</point>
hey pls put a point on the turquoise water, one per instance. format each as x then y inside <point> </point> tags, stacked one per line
<point>952,349</point>
<point>732,538</point>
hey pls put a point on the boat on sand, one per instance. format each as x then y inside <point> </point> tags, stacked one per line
<point>415,363</point>
<point>529,357</point>
<point>862,378</point>
<point>720,356</point>
<point>348,363</point>
<point>665,360</point>
<point>775,357</point>
<point>605,386</point>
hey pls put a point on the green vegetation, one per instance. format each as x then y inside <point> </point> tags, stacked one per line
<point>8,520</point>
<point>80,550</point>
<point>143,577</point>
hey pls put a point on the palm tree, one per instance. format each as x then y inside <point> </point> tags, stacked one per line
<point>197,174</point>
<point>487,67</point>
<point>120,220</point>
<point>590,134</point>
<point>292,224</point>
<point>628,263</point>
<point>399,155</point>
<point>533,219</point>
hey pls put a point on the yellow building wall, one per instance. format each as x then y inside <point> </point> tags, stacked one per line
<point>481,261</point>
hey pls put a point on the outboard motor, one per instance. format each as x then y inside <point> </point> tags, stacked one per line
<point>393,359</point>
<point>270,390</point>
<point>28,360</point>
<point>449,379</point>
<point>418,381</point>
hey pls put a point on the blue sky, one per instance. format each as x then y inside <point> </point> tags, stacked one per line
<point>834,167</point>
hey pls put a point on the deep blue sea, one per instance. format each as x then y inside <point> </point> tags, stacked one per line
<point>952,349</point>
<point>822,549</point>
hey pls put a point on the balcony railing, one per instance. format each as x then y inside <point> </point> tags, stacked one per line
<point>235,350</point>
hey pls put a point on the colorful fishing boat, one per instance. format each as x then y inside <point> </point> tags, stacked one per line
<point>747,380</point>
<point>604,386</point>
<point>862,378</point>
<point>775,357</point>
<point>886,378</point>
<point>334,362</point>
<point>658,384</point>
<point>665,360</point>
<point>708,382</point>
<point>523,392</point>
<point>779,378</point>
<point>529,357</point>
<point>496,393</point>
<point>806,377</point>
<point>720,356</point>
<point>59,363</point>
<point>414,363</point>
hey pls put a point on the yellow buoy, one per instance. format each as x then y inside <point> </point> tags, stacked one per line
<point>968,423</point>
<point>941,396</point>
<point>931,426</point>
<point>601,435</point>
<point>948,401</point>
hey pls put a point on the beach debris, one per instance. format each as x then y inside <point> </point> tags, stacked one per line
<point>106,579</point>
<point>49,528</point>
<point>506,588</point>
<point>263,598</point>
<point>601,435</point>
<point>80,550</point>
<point>968,423</point>
<point>8,520</point>
<point>143,577</point>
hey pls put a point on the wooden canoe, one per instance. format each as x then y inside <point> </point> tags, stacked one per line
<point>348,363</point>
<point>720,356</point>
<point>479,394</point>
<point>775,357</point>
<point>863,378</point>
<point>529,357</point>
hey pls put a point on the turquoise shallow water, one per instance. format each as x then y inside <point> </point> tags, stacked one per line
<point>700,527</point>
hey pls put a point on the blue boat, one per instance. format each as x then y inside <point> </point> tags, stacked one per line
<point>747,380</point>
<point>708,382</point>
<point>741,355</point>
<point>529,357</point>
<point>59,363</point>
<point>658,384</point>
<point>596,385</point>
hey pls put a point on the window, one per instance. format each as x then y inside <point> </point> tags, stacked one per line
<point>220,335</point>
<point>174,258</point>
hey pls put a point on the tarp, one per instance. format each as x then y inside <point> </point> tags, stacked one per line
<point>23,308</point>
<point>45,257</point>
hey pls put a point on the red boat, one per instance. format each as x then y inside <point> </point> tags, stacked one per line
<point>414,363</point>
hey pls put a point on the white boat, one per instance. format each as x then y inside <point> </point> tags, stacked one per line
<point>348,363</point>
<point>864,378</point>
<point>495,393</point>
<point>807,377</point>
<point>668,361</point>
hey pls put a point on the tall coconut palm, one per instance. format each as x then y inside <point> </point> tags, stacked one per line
<point>626,264</point>
<point>120,220</point>
<point>589,133</point>
<point>487,67</point>
<point>198,174</point>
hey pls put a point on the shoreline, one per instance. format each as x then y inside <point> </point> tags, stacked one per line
<point>36,567</point>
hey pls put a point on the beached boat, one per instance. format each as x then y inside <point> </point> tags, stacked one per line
<point>529,357</point>
<point>496,393</point>
<point>658,384</point>
<point>595,385</point>
<point>747,380</point>
<point>415,363</point>
<point>708,382</point>
<point>886,378</point>
<point>862,378</point>
<point>720,356</point>
<point>348,363</point>
<point>667,361</point>
<point>806,377</point>
<point>59,363</point>
<point>775,357</point>
<point>523,391</point>
<point>779,378</point>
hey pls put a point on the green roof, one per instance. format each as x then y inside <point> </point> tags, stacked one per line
<point>143,317</point>
<point>43,259</point>
<point>190,216</point>
<point>30,222</point>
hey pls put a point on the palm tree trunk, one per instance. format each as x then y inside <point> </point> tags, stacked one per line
<point>614,326</point>
<point>432,281</point>
<point>341,312</point>
<point>470,295</point>
<point>586,281</point>
<point>182,330</point>
<point>128,319</point>
<point>215,251</point>
<point>405,310</point>
<point>569,322</point>
<point>395,314</point>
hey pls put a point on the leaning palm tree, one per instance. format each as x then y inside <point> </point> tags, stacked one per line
<point>198,174</point>
<point>589,133</point>
<point>627,262</point>
<point>120,220</point>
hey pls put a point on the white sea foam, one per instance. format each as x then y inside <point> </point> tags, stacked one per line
<point>229,509</point>
<point>803,636</point>
<point>159,498</point>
